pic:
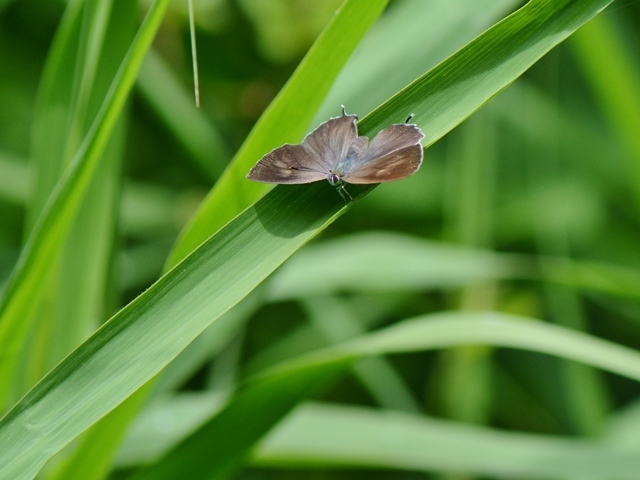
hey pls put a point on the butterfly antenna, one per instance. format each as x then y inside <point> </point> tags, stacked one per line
<point>409,118</point>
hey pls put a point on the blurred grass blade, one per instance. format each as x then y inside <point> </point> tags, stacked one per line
<point>175,107</point>
<point>446,95</point>
<point>219,444</point>
<point>411,37</point>
<point>15,184</point>
<point>358,437</point>
<point>74,84</point>
<point>47,236</point>
<point>593,276</point>
<point>285,120</point>
<point>499,330</point>
<point>610,68</point>
<point>367,264</point>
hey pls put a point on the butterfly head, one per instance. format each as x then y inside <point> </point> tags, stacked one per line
<point>334,179</point>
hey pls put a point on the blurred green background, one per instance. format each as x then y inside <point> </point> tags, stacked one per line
<point>548,168</point>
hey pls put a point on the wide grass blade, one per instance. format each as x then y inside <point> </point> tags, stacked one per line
<point>147,334</point>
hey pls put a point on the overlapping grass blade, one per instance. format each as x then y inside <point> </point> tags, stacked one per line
<point>367,264</point>
<point>329,52</point>
<point>143,337</point>
<point>440,99</point>
<point>37,258</point>
<point>153,329</point>
<point>218,445</point>
<point>75,82</point>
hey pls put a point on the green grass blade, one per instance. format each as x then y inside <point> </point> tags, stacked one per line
<point>270,395</point>
<point>411,38</point>
<point>147,334</point>
<point>499,330</point>
<point>286,120</point>
<point>48,234</point>
<point>14,181</point>
<point>610,68</point>
<point>358,437</point>
<point>368,265</point>
<point>593,276</point>
<point>453,90</point>
<point>50,124</point>
<point>74,304</point>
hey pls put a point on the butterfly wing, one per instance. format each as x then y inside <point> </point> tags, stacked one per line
<point>313,159</point>
<point>287,164</point>
<point>330,142</point>
<point>394,153</point>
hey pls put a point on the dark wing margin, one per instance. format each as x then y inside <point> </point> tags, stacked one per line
<point>287,164</point>
<point>394,153</point>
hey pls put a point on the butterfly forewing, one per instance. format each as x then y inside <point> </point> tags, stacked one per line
<point>312,160</point>
<point>288,164</point>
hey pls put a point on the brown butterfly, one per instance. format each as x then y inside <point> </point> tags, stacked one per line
<point>335,152</point>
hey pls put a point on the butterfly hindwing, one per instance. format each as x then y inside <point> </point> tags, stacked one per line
<point>394,153</point>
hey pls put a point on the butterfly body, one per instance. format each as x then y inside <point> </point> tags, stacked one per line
<point>335,152</point>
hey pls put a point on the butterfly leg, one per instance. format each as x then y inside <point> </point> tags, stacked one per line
<point>343,193</point>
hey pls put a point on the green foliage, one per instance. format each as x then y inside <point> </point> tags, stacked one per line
<point>435,295</point>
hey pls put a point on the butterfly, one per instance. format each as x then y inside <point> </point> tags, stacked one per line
<point>335,152</point>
